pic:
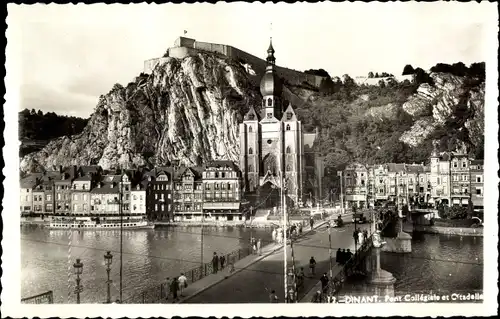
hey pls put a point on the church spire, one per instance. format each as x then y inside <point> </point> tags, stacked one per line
<point>270,53</point>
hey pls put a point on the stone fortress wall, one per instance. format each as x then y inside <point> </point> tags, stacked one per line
<point>187,47</point>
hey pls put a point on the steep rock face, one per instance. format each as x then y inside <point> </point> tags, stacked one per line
<point>187,110</point>
<point>382,112</point>
<point>452,99</point>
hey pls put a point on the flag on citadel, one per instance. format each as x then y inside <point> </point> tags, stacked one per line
<point>185,32</point>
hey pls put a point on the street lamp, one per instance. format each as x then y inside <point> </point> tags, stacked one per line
<point>78,267</point>
<point>108,259</point>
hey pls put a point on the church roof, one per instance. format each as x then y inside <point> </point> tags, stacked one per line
<point>271,84</point>
<point>251,115</point>
<point>289,110</point>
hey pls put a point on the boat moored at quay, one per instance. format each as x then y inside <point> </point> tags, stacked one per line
<point>96,223</point>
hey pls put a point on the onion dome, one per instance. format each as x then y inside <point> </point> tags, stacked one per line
<point>270,84</point>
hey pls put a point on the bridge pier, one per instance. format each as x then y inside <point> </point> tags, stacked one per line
<point>379,281</point>
<point>401,243</point>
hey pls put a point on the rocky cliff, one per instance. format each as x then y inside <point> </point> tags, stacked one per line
<point>189,110</point>
<point>451,101</point>
<point>186,110</point>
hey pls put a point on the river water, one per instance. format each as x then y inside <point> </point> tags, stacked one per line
<point>438,263</point>
<point>149,256</point>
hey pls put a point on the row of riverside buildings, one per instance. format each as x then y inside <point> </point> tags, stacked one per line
<point>452,178</point>
<point>163,193</point>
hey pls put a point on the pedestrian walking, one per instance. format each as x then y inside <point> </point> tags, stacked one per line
<point>258,247</point>
<point>174,288</point>
<point>167,286</point>
<point>300,279</point>
<point>254,247</point>
<point>182,283</point>
<point>348,255</point>
<point>365,234</point>
<point>273,234</point>
<point>311,222</point>
<point>273,298</point>
<point>215,263</point>
<point>317,297</point>
<point>360,238</point>
<point>355,236</point>
<point>324,282</point>
<point>338,256</point>
<point>344,257</point>
<point>312,266</point>
<point>300,229</point>
<point>222,260</point>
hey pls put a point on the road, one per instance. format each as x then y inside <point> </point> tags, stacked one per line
<point>250,284</point>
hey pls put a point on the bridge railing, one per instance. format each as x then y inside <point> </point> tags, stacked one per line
<point>160,291</point>
<point>44,298</point>
<point>348,269</point>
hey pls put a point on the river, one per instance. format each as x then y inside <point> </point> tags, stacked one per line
<point>149,256</point>
<point>438,263</point>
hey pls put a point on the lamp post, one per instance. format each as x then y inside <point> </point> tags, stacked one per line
<point>78,267</point>
<point>108,259</point>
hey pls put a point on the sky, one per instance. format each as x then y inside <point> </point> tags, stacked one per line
<point>67,56</point>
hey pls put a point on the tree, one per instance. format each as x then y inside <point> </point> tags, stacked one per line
<point>370,75</point>
<point>381,83</point>
<point>376,75</point>
<point>408,69</point>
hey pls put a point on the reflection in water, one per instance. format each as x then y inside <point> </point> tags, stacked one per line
<point>430,266</point>
<point>149,256</point>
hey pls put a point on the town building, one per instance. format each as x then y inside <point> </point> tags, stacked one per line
<point>440,177</point>
<point>27,184</point>
<point>158,184</point>
<point>138,199</point>
<point>222,191</point>
<point>188,194</point>
<point>80,197</point>
<point>104,198</point>
<point>63,190</point>
<point>477,183</point>
<point>356,185</point>
<point>460,179</point>
<point>273,146</point>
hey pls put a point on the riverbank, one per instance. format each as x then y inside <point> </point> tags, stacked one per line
<point>460,231</point>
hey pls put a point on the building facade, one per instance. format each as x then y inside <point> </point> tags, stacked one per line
<point>222,191</point>
<point>188,194</point>
<point>459,179</point>
<point>158,184</point>
<point>104,198</point>
<point>272,145</point>
<point>476,180</point>
<point>80,197</point>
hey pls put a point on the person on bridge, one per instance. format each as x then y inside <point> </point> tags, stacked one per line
<point>273,298</point>
<point>300,229</point>
<point>324,282</point>
<point>174,288</point>
<point>215,263</point>
<point>300,279</point>
<point>258,247</point>
<point>222,260</point>
<point>338,256</point>
<point>312,266</point>
<point>355,236</point>
<point>348,255</point>
<point>360,238</point>
<point>365,234</point>
<point>311,222</point>
<point>182,283</point>
<point>273,234</point>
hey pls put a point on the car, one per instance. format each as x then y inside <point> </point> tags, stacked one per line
<point>358,218</point>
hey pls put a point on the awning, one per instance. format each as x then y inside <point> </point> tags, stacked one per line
<point>465,201</point>
<point>221,206</point>
<point>456,200</point>
<point>431,200</point>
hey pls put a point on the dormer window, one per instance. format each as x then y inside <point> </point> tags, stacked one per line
<point>289,115</point>
<point>250,130</point>
<point>251,117</point>
<point>269,115</point>
<point>288,127</point>
<point>269,102</point>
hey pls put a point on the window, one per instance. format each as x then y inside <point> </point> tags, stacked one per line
<point>250,129</point>
<point>216,186</point>
<point>288,150</point>
<point>59,196</point>
<point>250,168</point>
<point>288,127</point>
<point>207,187</point>
<point>156,207</point>
<point>250,151</point>
<point>223,186</point>
<point>289,115</point>
<point>162,196</point>
<point>228,186</point>
<point>251,117</point>
<point>464,164</point>
<point>288,168</point>
<point>455,164</point>
<point>84,186</point>
<point>75,197</point>
<point>85,208</point>
<point>269,115</point>
<point>269,102</point>
<point>478,179</point>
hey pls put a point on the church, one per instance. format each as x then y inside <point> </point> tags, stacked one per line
<point>274,149</point>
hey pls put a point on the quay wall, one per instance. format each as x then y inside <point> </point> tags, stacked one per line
<point>185,49</point>
<point>460,231</point>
